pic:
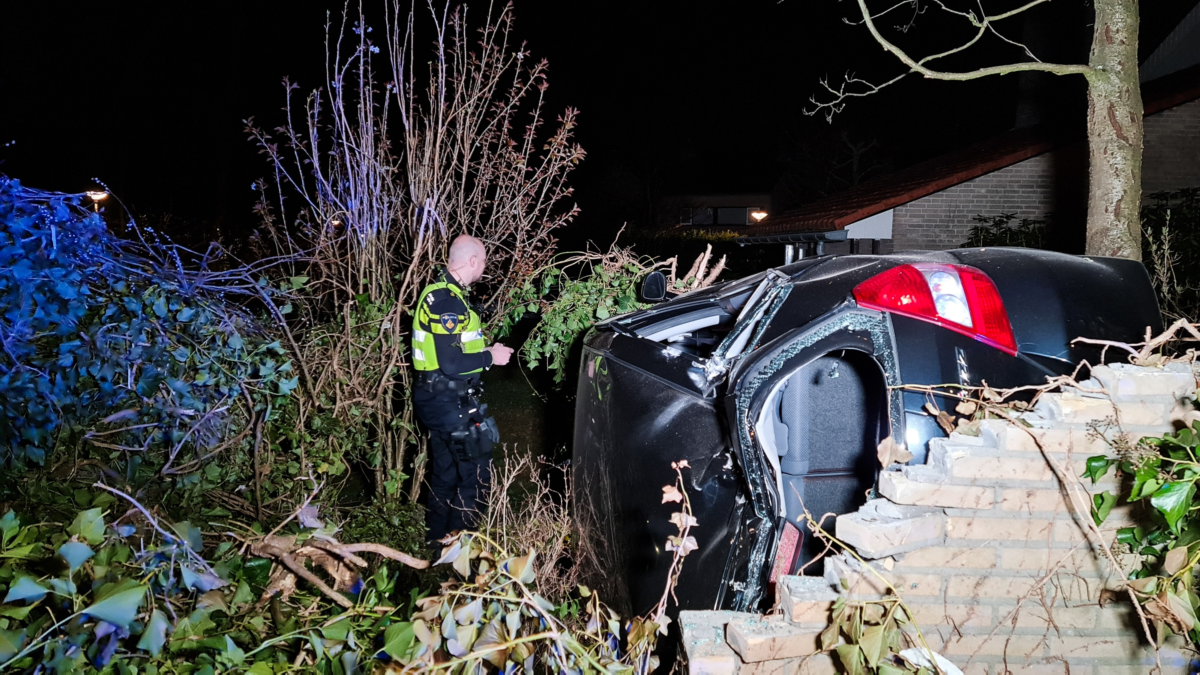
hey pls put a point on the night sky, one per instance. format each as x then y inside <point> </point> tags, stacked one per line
<point>675,96</point>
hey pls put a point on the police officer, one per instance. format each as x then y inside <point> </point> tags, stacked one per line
<point>449,353</point>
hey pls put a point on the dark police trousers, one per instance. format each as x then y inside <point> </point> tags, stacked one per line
<point>461,436</point>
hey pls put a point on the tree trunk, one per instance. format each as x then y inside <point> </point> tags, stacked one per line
<point>1115,133</point>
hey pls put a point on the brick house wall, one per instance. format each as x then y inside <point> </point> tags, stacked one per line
<point>943,219</point>
<point>1049,183</point>
<point>1171,158</point>
<point>997,563</point>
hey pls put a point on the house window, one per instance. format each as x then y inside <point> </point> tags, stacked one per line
<point>702,216</point>
<point>685,216</point>
<point>732,216</point>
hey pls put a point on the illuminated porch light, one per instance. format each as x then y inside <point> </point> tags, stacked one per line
<point>758,215</point>
<point>97,195</point>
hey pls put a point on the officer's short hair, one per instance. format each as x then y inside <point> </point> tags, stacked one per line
<point>463,247</point>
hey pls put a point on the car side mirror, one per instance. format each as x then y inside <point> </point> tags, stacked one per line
<point>654,287</point>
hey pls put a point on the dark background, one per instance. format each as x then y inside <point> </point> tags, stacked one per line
<point>675,95</point>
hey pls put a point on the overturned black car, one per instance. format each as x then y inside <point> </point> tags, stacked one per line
<point>777,389</point>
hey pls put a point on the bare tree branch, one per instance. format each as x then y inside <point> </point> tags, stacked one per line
<point>854,87</point>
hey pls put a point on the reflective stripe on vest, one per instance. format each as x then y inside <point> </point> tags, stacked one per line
<point>426,324</point>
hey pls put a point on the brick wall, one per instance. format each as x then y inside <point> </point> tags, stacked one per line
<point>1050,183</point>
<point>942,220</point>
<point>1172,149</point>
<point>992,557</point>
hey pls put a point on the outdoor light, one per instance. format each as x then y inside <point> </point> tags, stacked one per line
<point>97,195</point>
<point>335,222</point>
<point>758,215</point>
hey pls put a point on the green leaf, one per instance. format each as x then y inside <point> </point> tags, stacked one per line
<point>829,637</point>
<point>1173,500</point>
<point>11,643</point>
<point>184,316</point>
<point>9,525</point>
<point>601,312</point>
<point>338,631</point>
<point>1132,536</point>
<point>1102,505</point>
<point>154,635</point>
<point>257,572</point>
<point>1098,466</point>
<point>1144,482</point>
<point>75,553</point>
<point>18,613</point>
<point>27,589</point>
<point>233,654</point>
<point>119,608</point>
<point>872,644</point>
<point>190,535</point>
<point>243,595</point>
<point>297,282</point>
<point>89,526</point>
<point>19,553</point>
<point>398,640</point>
<point>852,659</point>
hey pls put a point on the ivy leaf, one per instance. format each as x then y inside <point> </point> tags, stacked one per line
<point>1172,501</point>
<point>1144,483</point>
<point>297,282</point>
<point>160,307</point>
<point>398,640</point>
<point>829,637</point>
<point>75,553</point>
<point>154,636</point>
<point>601,312</point>
<point>1098,466</point>
<point>120,607</point>
<point>243,595</point>
<point>872,645</point>
<point>25,589</point>
<point>18,613</point>
<point>89,526</point>
<point>11,643</point>
<point>1131,535</point>
<point>190,534</point>
<point>852,659</point>
<point>1102,505</point>
<point>1176,560</point>
<point>288,386</point>
<point>9,525</point>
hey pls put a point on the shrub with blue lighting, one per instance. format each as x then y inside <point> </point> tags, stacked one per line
<point>112,346</point>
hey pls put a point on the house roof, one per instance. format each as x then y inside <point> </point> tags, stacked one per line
<point>901,187</point>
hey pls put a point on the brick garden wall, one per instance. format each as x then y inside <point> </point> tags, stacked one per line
<point>985,547</point>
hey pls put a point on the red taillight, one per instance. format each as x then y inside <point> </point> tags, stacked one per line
<point>957,297</point>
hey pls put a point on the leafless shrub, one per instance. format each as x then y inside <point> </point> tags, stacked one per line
<point>527,512</point>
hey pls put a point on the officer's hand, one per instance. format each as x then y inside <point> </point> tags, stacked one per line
<point>500,354</point>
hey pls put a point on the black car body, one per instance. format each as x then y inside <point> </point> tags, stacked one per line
<point>777,389</point>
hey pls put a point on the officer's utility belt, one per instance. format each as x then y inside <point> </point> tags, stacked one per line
<point>433,381</point>
<point>486,430</point>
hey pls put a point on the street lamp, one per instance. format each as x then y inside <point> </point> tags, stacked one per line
<point>97,196</point>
